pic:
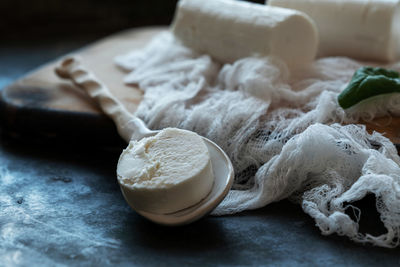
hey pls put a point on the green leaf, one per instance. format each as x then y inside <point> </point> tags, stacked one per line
<point>368,82</point>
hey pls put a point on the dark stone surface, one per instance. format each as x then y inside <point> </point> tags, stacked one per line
<point>61,205</point>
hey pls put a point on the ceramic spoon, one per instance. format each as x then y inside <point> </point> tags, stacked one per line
<point>132,128</point>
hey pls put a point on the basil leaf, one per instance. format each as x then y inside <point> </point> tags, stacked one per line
<point>368,82</point>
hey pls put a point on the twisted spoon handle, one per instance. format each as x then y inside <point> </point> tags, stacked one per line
<point>128,126</point>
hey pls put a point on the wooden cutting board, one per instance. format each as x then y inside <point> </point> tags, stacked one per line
<point>42,105</point>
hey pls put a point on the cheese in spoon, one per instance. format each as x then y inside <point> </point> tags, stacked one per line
<point>167,172</point>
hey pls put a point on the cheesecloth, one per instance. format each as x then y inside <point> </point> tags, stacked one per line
<point>283,130</point>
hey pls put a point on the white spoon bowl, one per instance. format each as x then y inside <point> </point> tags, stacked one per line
<point>223,179</point>
<point>132,128</point>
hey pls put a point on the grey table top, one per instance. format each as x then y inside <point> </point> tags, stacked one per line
<point>62,206</point>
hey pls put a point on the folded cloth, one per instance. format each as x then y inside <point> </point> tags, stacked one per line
<point>282,128</point>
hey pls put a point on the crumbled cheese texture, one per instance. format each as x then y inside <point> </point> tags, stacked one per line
<point>167,172</point>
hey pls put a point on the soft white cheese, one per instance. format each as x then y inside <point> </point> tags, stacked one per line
<point>362,29</point>
<point>396,30</point>
<point>167,172</point>
<point>229,30</point>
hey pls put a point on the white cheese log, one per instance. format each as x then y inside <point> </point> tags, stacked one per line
<point>229,30</point>
<point>362,29</point>
<point>167,172</point>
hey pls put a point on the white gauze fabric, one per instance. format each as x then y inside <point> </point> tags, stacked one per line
<point>282,130</point>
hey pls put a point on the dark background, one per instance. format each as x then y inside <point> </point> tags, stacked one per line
<point>44,19</point>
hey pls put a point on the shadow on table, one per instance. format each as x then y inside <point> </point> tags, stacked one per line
<point>280,233</point>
